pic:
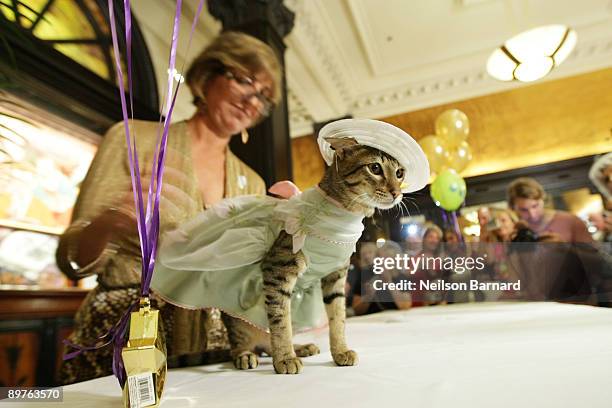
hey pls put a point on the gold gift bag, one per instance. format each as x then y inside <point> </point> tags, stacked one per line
<point>144,359</point>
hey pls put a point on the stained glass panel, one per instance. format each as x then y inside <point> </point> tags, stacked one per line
<point>88,55</point>
<point>64,20</point>
<point>7,10</point>
<point>28,14</point>
<point>40,173</point>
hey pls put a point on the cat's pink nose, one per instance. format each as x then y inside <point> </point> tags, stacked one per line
<point>396,193</point>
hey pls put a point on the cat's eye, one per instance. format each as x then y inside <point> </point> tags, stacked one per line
<point>376,169</point>
<point>399,173</point>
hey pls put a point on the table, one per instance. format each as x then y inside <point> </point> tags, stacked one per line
<point>470,355</point>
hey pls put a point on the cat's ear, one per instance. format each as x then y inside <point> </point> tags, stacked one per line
<point>339,144</point>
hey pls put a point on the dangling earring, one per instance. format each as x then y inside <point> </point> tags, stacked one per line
<point>245,136</point>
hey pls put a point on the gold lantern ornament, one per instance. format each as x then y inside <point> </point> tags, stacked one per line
<point>144,358</point>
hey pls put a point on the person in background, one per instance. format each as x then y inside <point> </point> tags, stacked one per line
<point>505,220</point>
<point>349,284</point>
<point>361,261</point>
<point>486,223</point>
<point>504,223</point>
<point>526,197</point>
<point>432,240</point>
<point>498,241</point>
<point>450,236</point>
<point>574,269</point>
<point>412,243</point>
<point>432,249</point>
<point>455,248</point>
<point>603,222</point>
<point>367,253</point>
<point>367,300</point>
<point>235,82</point>
<point>484,217</point>
<point>601,177</point>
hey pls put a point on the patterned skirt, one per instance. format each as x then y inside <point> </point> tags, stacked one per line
<point>102,308</point>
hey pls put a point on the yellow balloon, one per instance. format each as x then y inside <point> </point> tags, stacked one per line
<point>453,127</point>
<point>436,152</point>
<point>459,157</point>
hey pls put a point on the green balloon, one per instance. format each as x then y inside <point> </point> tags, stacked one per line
<point>448,190</point>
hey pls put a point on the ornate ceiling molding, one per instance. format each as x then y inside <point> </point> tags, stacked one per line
<point>300,120</point>
<point>588,56</point>
<point>310,39</point>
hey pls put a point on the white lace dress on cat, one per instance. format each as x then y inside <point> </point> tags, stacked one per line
<point>214,259</point>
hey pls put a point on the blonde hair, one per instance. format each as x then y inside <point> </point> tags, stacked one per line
<point>511,214</point>
<point>525,187</point>
<point>433,228</point>
<point>238,51</point>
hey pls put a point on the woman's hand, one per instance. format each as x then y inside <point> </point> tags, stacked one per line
<point>115,223</point>
<point>112,224</point>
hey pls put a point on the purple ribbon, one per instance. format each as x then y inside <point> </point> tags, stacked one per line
<point>147,218</point>
<point>444,217</point>
<point>456,225</point>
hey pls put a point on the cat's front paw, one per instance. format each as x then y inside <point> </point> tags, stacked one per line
<point>246,360</point>
<point>306,350</point>
<point>346,358</point>
<point>291,365</point>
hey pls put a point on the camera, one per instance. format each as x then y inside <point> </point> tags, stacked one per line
<point>524,234</point>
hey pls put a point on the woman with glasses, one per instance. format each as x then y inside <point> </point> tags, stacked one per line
<point>235,82</point>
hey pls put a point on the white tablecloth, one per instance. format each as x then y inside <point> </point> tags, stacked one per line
<point>472,355</point>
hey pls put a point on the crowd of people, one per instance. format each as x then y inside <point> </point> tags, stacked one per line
<point>573,266</point>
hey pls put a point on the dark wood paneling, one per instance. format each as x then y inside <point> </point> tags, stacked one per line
<point>19,354</point>
<point>33,325</point>
<point>37,304</point>
<point>556,178</point>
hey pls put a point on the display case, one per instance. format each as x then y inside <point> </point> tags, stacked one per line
<point>43,160</point>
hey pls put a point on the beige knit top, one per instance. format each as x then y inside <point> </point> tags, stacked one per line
<point>108,184</point>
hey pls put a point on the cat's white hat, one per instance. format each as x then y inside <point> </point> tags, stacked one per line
<point>385,137</point>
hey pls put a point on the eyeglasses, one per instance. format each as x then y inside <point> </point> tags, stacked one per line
<point>248,88</point>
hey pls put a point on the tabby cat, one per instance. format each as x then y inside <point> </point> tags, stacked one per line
<point>361,179</point>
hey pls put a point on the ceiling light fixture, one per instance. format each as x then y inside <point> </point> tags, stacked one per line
<point>532,54</point>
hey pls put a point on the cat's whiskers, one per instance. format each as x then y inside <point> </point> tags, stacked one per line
<point>398,209</point>
<point>413,202</point>
<point>404,207</point>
